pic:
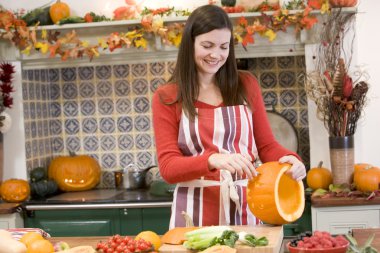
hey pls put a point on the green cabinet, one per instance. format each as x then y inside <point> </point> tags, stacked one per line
<point>156,219</point>
<point>99,222</point>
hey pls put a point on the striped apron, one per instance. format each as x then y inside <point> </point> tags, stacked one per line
<point>217,198</point>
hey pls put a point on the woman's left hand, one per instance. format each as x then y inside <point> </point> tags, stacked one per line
<point>297,171</point>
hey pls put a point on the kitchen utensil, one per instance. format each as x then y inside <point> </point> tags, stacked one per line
<point>132,177</point>
<point>283,130</point>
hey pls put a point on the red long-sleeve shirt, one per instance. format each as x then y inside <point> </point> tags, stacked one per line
<point>174,166</point>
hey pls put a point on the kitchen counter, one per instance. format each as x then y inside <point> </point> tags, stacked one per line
<point>104,198</point>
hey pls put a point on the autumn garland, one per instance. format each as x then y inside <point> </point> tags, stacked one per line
<point>68,46</point>
<point>6,88</point>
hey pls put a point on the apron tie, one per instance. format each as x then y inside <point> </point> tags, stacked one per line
<point>227,190</point>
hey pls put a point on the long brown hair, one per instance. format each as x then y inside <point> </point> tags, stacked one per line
<point>203,20</point>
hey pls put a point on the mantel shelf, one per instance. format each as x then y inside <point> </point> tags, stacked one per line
<point>286,43</point>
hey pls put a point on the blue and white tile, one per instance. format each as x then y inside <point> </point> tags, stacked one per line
<point>126,158</point>
<point>70,109</point>
<point>144,159</point>
<point>69,91</point>
<point>69,74</point>
<point>86,73</point>
<point>141,105</point>
<point>287,79</point>
<point>89,125</point>
<point>53,75</point>
<point>104,88</point>
<point>107,143</point>
<point>125,142</point>
<point>72,126</point>
<point>125,124</point>
<point>55,109</point>
<point>90,143</point>
<point>105,106</point>
<point>157,68</point>
<point>87,107</point>
<point>139,70</point>
<point>121,71</point>
<point>108,160</point>
<point>288,98</point>
<point>268,80</point>
<point>107,125</point>
<point>57,144</point>
<point>87,89</point>
<point>123,106</point>
<point>55,126</point>
<point>142,123</point>
<point>103,72</point>
<point>143,141</point>
<point>122,88</point>
<point>140,86</point>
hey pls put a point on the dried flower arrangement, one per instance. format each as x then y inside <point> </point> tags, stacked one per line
<point>6,88</point>
<point>340,97</point>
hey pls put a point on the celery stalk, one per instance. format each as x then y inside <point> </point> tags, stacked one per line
<point>203,238</point>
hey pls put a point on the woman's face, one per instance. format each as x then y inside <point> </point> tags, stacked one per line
<point>211,50</point>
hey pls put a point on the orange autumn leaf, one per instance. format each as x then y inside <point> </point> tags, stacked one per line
<point>248,38</point>
<point>53,49</point>
<point>315,4</point>
<point>308,21</point>
<point>243,21</point>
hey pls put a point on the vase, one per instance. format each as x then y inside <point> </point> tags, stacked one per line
<point>1,158</point>
<point>342,158</point>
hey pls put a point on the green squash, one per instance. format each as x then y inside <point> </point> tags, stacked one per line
<point>229,3</point>
<point>43,189</point>
<point>38,174</point>
<point>39,15</point>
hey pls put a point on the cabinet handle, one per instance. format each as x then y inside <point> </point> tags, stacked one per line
<point>125,211</point>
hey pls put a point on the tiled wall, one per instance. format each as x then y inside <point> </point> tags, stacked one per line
<point>105,111</point>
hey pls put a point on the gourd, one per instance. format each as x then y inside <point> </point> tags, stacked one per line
<point>367,179</point>
<point>10,245</point>
<point>39,15</point>
<point>229,3</point>
<point>176,236</point>
<point>319,177</point>
<point>14,190</point>
<point>78,249</point>
<point>59,10</point>
<point>274,196</point>
<point>343,3</point>
<point>43,188</point>
<point>75,173</point>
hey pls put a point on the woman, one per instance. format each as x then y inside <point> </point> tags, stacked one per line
<point>210,126</point>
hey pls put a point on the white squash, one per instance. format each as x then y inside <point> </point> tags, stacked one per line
<point>10,245</point>
<point>5,234</point>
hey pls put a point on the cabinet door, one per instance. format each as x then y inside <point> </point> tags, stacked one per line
<point>84,222</point>
<point>130,221</point>
<point>343,221</point>
<point>156,219</point>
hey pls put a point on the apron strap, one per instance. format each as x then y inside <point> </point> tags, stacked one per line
<point>227,189</point>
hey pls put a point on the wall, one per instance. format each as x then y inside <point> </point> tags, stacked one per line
<point>105,110</point>
<point>368,137</point>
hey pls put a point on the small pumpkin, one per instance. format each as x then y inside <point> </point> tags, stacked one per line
<point>343,3</point>
<point>75,172</point>
<point>59,10</point>
<point>274,196</point>
<point>14,190</point>
<point>319,177</point>
<point>367,179</point>
<point>176,236</point>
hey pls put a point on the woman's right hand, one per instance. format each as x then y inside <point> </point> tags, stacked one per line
<point>239,163</point>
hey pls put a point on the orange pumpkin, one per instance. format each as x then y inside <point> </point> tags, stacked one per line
<point>274,196</point>
<point>75,173</point>
<point>319,177</point>
<point>58,11</point>
<point>367,179</point>
<point>343,3</point>
<point>14,190</point>
<point>361,166</point>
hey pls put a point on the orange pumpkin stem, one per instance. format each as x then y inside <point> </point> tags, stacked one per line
<point>320,164</point>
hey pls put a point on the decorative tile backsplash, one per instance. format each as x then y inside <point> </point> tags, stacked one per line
<point>105,111</point>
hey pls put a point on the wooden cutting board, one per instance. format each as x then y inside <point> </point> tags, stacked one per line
<point>273,233</point>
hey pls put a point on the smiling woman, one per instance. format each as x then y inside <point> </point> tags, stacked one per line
<point>210,126</point>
